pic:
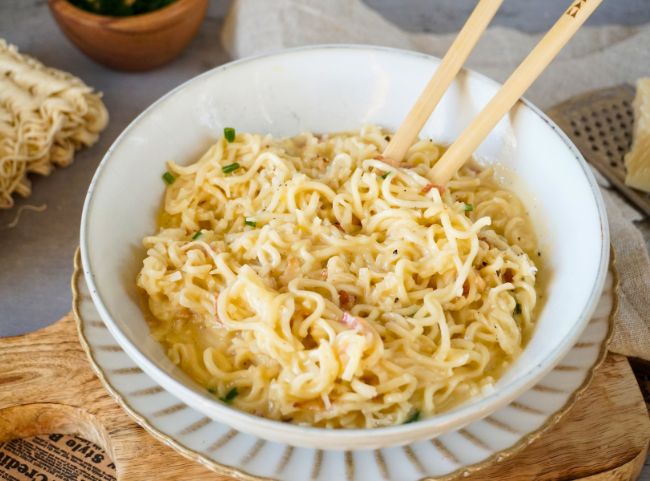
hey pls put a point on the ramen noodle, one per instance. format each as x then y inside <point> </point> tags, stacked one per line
<point>45,115</point>
<point>306,280</point>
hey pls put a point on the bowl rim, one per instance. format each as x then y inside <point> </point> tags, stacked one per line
<point>143,22</point>
<point>449,420</point>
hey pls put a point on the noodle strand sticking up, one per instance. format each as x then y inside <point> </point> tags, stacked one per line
<point>305,280</point>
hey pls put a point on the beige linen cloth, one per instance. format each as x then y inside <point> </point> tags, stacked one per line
<point>597,57</point>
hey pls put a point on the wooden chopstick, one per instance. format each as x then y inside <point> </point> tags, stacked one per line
<point>448,69</point>
<point>524,75</point>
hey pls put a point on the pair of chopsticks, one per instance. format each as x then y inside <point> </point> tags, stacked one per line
<point>522,78</point>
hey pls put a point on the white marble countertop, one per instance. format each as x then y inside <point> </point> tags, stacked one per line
<point>36,256</point>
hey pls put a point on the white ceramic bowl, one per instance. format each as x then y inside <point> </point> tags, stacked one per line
<point>334,88</point>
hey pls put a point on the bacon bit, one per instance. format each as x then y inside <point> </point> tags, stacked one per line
<point>358,325</point>
<point>350,321</point>
<point>465,288</point>
<point>508,275</point>
<point>323,274</point>
<point>347,300</point>
<point>427,188</point>
<point>338,226</point>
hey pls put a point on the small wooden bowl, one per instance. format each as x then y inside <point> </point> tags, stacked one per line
<point>138,42</point>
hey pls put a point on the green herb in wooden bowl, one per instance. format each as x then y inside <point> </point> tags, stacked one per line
<point>120,8</point>
<point>129,34</point>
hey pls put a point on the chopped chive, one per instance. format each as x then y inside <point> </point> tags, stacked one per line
<point>229,133</point>
<point>413,417</point>
<point>197,234</point>
<point>169,178</point>
<point>383,176</point>
<point>212,390</point>
<point>517,308</point>
<point>230,395</point>
<point>468,207</point>
<point>250,223</point>
<point>227,169</point>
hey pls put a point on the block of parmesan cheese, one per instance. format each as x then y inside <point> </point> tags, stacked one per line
<point>637,160</point>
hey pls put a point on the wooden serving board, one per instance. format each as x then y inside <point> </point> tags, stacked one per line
<point>48,386</point>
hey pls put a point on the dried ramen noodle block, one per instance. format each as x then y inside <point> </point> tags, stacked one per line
<point>45,116</point>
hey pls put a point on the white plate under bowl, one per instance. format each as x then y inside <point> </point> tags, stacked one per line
<point>452,454</point>
<point>325,89</point>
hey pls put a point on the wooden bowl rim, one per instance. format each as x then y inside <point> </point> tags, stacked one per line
<point>145,22</point>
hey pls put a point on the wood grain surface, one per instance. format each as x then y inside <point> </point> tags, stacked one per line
<point>47,385</point>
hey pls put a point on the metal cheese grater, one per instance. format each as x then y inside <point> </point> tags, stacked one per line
<point>600,124</point>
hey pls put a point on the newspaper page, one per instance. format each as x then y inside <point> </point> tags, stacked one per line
<point>54,457</point>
